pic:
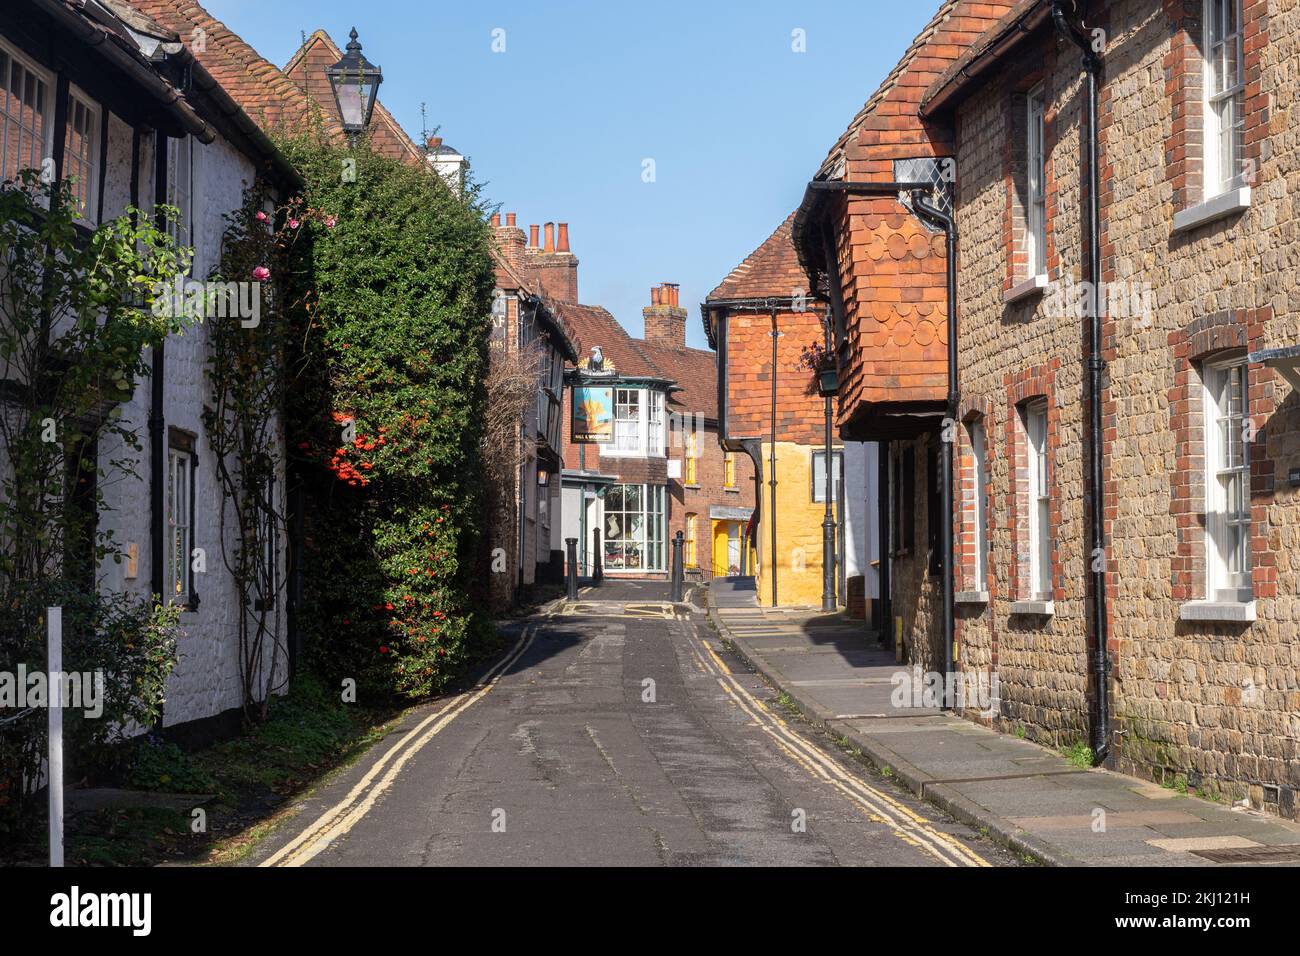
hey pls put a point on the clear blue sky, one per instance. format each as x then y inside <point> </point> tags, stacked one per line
<point>558,125</point>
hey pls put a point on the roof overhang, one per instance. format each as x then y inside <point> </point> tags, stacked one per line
<point>892,421</point>
<point>959,81</point>
<point>559,334</point>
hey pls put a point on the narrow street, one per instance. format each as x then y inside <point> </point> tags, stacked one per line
<point>619,733</point>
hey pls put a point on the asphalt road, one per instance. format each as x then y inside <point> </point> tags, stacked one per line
<point>617,732</point>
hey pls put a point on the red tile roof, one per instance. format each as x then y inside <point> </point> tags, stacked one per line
<point>255,83</point>
<point>830,166</point>
<point>695,371</point>
<point>770,270</point>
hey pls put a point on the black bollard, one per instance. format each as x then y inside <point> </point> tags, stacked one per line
<point>678,543</point>
<point>571,568</point>
<point>597,567</point>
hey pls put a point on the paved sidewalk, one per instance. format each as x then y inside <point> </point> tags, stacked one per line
<point>1032,798</point>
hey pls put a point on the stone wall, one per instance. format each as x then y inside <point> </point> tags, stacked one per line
<point>1212,701</point>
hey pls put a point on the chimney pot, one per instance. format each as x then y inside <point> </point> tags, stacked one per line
<point>562,241</point>
<point>434,142</point>
<point>496,220</point>
<point>510,220</point>
<point>532,236</point>
<point>550,238</point>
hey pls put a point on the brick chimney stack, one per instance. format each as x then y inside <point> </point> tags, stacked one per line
<point>554,264</point>
<point>510,239</point>
<point>665,319</point>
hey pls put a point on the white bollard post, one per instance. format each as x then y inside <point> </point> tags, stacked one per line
<point>54,667</point>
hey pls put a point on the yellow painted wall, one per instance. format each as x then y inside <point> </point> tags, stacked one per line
<point>798,529</point>
<point>721,550</point>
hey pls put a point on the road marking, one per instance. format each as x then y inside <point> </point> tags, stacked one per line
<point>880,807</point>
<point>344,815</point>
<point>655,609</point>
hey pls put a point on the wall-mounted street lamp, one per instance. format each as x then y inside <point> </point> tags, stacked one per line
<point>355,81</point>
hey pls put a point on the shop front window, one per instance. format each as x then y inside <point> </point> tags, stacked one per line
<point>634,528</point>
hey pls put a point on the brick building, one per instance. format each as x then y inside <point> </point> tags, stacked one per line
<point>770,411</point>
<point>525,505</point>
<point>658,468</point>
<point>1152,614</point>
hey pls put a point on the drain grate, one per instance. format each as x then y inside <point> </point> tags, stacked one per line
<point>1252,854</point>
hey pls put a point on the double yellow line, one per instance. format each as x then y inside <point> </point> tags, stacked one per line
<point>880,807</point>
<point>339,819</point>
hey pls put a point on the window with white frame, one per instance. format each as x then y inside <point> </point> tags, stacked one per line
<point>1036,194</point>
<point>26,123</point>
<point>655,427</point>
<point>180,187</point>
<point>627,419</point>
<point>980,513</point>
<point>819,476</point>
<point>1040,500</point>
<point>79,158</point>
<point>1224,86</point>
<point>1227,483</point>
<point>634,528</point>
<point>178,585</point>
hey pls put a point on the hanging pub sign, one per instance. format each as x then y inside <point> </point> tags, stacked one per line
<point>593,414</point>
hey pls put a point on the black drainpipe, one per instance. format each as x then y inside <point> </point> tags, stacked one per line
<point>944,222</point>
<point>949,227</point>
<point>771,481</point>
<point>1094,499</point>
<point>157,384</point>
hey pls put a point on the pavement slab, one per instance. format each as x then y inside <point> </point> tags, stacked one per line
<point>1033,799</point>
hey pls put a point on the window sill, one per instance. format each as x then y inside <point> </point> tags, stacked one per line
<point>1241,612</point>
<point>1030,287</point>
<point>971,597</point>
<point>732,491</point>
<point>1224,204</point>
<point>690,487</point>
<point>1037,608</point>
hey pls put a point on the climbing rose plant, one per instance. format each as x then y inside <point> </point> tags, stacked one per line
<point>77,319</point>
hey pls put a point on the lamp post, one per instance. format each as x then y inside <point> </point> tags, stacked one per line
<point>355,81</point>
<point>828,522</point>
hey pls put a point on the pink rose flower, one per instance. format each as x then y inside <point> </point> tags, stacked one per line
<point>261,273</point>
<point>330,222</point>
<point>293,223</point>
<point>261,216</point>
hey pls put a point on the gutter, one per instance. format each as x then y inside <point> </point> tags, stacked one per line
<point>950,88</point>
<point>167,95</point>
<point>1068,16</point>
<point>172,99</point>
<point>205,83</point>
<point>805,233</point>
